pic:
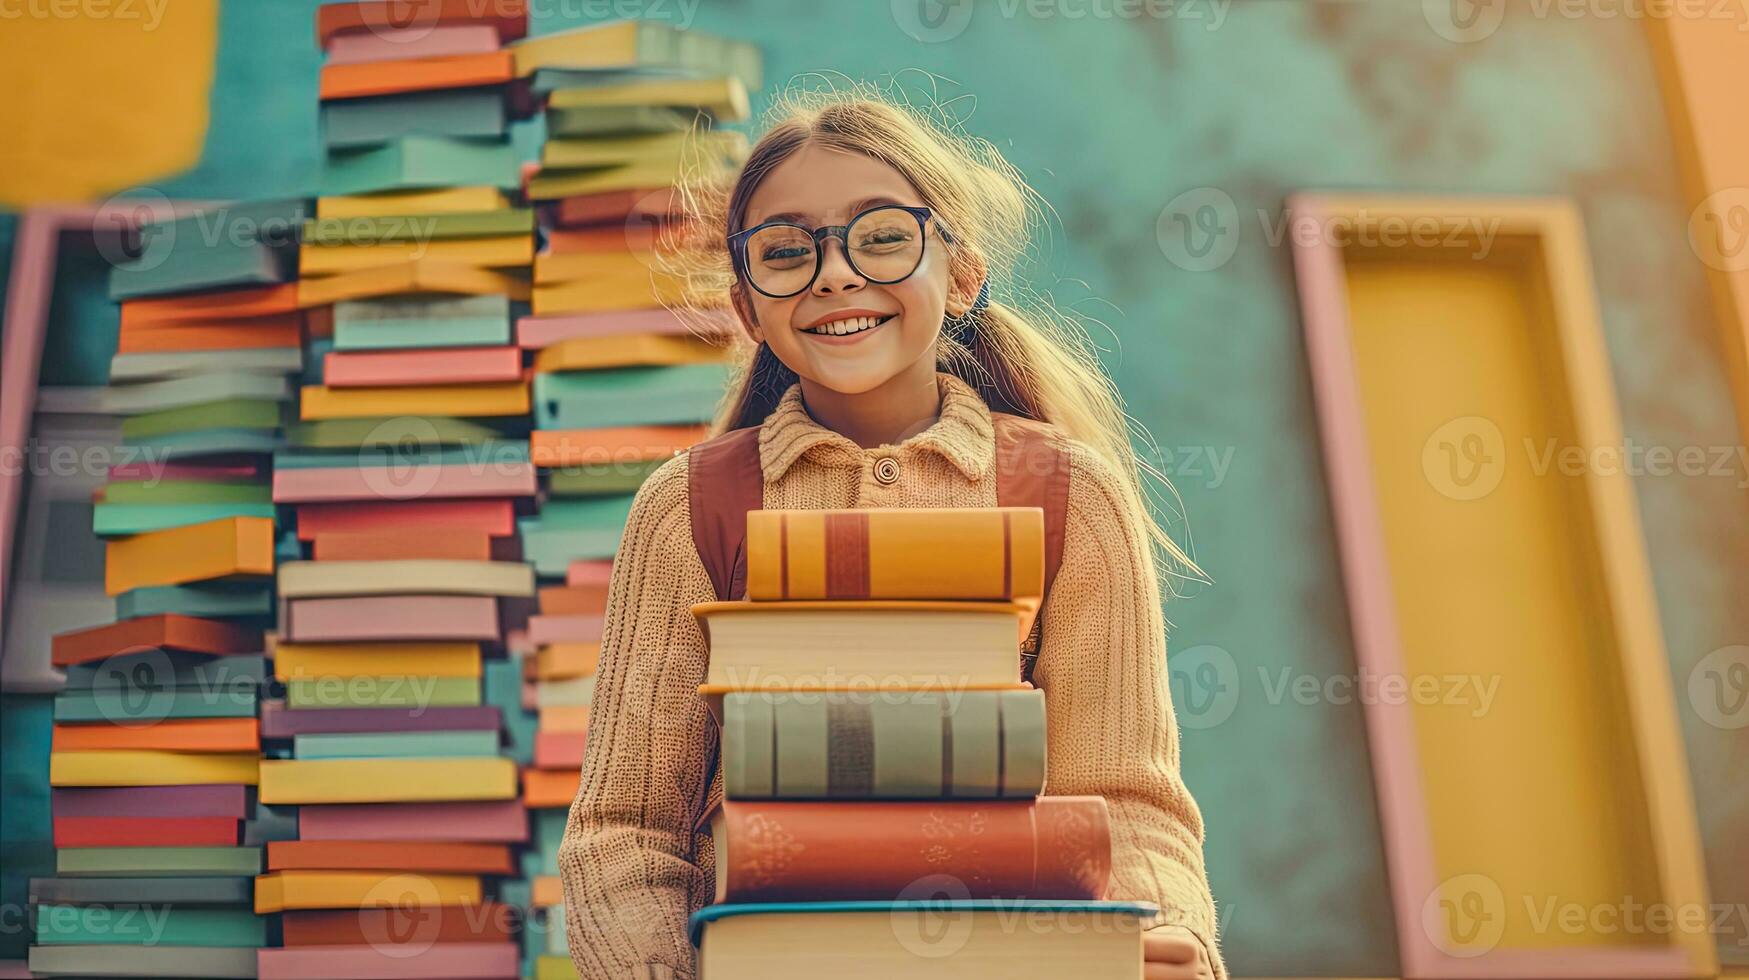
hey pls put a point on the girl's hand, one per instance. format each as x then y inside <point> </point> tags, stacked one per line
<point>1174,953</point>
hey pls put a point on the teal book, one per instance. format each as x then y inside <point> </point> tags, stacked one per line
<point>421,161</point>
<point>1020,907</point>
<point>669,395</point>
<point>156,891</point>
<point>425,431</point>
<point>314,369</point>
<point>139,925</point>
<point>130,705</point>
<point>154,669</point>
<point>178,962</point>
<point>116,520</point>
<point>663,50</point>
<point>202,600</point>
<point>457,113</point>
<point>503,690</point>
<point>208,442</point>
<point>437,333</point>
<point>225,247</point>
<point>491,452</point>
<point>573,529</point>
<point>395,745</point>
<point>172,862</point>
<point>270,823</point>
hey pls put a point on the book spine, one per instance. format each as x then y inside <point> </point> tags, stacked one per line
<point>1055,847</point>
<point>919,745</point>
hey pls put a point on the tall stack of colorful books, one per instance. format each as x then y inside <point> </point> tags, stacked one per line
<point>882,763</point>
<point>404,475</point>
<point>620,383</point>
<point>156,746</point>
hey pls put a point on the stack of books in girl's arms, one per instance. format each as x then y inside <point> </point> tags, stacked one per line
<point>881,761</point>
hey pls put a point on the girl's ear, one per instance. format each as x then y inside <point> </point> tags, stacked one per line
<point>967,277</point>
<point>744,310</point>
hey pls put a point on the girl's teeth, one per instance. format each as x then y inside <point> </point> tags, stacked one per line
<point>852,325</point>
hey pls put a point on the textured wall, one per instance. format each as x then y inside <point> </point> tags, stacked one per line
<point>1113,118</point>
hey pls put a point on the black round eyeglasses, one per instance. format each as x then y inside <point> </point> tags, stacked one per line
<point>883,244</point>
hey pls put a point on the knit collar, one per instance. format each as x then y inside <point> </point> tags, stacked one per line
<point>963,434</point>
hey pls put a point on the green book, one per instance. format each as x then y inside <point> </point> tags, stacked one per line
<point>170,862</point>
<point>207,442</point>
<point>600,479</point>
<point>229,413</point>
<point>129,705</point>
<point>667,395</point>
<point>270,823</point>
<point>223,247</point>
<point>149,925</point>
<point>493,452</point>
<point>466,112</point>
<point>573,528</point>
<point>867,745</point>
<point>586,121</point>
<point>172,492</point>
<point>427,430</point>
<point>153,669</point>
<point>383,692</point>
<point>206,600</point>
<point>116,520</point>
<point>375,230</point>
<point>416,311</point>
<point>395,745</point>
<point>180,962</point>
<point>662,50</point>
<point>154,891</point>
<point>421,161</point>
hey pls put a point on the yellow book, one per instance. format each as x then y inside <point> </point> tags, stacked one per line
<point>607,295</point>
<point>487,252</point>
<point>554,968</point>
<point>724,96</point>
<point>549,891</point>
<point>424,576</point>
<point>194,553</point>
<point>570,266</point>
<point>565,718</point>
<point>279,891</point>
<point>149,767</point>
<point>626,350</point>
<point>506,398</point>
<point>614,151</point>
<point>419,276</point>
<point>557,661</point>
<point>445,200</point>
<point>307,660</point>
<point>549,184</point>
<point>387,780</point>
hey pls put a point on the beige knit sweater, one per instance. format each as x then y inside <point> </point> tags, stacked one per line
<point>632,866</point>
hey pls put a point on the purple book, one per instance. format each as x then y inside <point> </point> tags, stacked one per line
<point>217,800</point>
<point>279,721</point>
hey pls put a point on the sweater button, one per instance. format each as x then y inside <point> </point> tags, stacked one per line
<point>886,470</point>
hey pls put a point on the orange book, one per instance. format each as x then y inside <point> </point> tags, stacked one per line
<point>553,448</point>
<point>413,856</point>
<point>1049,847</point>
<point>164,632</point>
<point>232,304</point>
<point>284,330</point>
<point>195,553</point>
<point>565,718</point>
<point>627,350</point>
<point>502,398</point>
<point>983,553</point>
<point>636,235</point>
<point>550,787</point>
<point>415,75</point>
<point>492,516</point>
<point>549,891</point>
<point>171,734</point>
<point>559,750</point>
<point>460,543</point>
<point>508,17</point>
<point>558,661</point>
<point>642,203</point>
<point>568,600</point>
<point>488,922</point>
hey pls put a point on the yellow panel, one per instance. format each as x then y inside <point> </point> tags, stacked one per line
<point>110,97</point>
<point>1527,767</point>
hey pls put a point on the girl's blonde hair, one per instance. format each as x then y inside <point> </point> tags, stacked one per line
<point>1025,357</point>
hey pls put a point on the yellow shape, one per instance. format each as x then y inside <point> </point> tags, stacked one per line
<point>488,252</point>
<point>315,660</point>
<point>108,98</point>
<point>150,767</point>
<point>510,398</point>
<point>446,200</point>
<point>386,780</point>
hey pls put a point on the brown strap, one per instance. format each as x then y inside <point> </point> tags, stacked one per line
<point>724,482</point>
<point>1032,470</point>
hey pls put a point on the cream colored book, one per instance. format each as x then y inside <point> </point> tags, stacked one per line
<point>574,692</point>
<point>407,576</point>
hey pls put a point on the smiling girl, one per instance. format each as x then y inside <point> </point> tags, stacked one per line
<point>865,248</point>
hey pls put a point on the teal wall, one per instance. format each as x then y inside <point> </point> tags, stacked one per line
<point>1111,119</point>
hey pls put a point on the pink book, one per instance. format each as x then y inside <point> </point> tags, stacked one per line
<point>589,571</point>
<point>393,617</point>
<point>383,483</point>
<point>204,470</point>
<point>535,332</point>
<point>386,43</point>
<point>543,630</point>
<point>495,517</point>
<point>386,961</point>
<point>441,366</point>
<point>530,697</point>
<point>492,821</point>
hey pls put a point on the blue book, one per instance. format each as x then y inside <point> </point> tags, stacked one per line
<point>575,528</point>
<point>421,161</point>
<point>352,123</point>
<point>676,394</point>
<point>114,520</point>
<point>201,599</point>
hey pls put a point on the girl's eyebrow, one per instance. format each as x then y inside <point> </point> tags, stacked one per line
<point>796,217</point>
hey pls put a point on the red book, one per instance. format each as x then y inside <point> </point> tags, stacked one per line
<point>164,632</point>
<point>232,304</point>
<point>583,600</point>
<point>1051,847</point>
<point>145,831</point>
<point>641,203</point>
<point>558,750</point>
<point>494,516</point>
<point>489,922</point>
<point>508,17</point>
<point>343,855</point>
<point>439,366</point>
